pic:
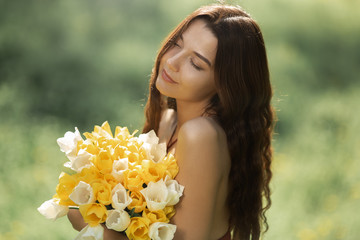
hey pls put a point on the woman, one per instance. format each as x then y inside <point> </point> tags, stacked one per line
<point>210,101</point>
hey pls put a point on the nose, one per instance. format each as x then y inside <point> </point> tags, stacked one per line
<point>173,62</point>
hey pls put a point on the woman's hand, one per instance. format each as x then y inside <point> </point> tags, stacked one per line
<point>76,219</point>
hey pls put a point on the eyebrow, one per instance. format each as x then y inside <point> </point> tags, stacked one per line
<point>199,55</point>
<point>203,58</point>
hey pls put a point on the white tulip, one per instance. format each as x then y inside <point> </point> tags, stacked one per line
<point>82,194</point>
<point>155,195</point>
<point>149,137</point>
<point>119,166</point>
<point>52,210</point>
<point>162,231</point>
<point>79,162</point>
<point>68,143</point>
<point>159,152</point>
<point>175,192</point>
<point>150,143</point>
<point>117,220</point>
<point>91,233</point>
<point>148,147</point>
<point>120,197</point>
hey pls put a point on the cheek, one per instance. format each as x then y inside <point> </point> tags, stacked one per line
<point>202,81</point>
<point>160,85</point>
<point>201,84</point>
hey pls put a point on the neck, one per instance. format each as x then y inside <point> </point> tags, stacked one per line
<point>189,110</point>
<point>185,112</point>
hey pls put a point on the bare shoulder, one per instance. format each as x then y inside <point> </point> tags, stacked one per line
<point>202,129</point>
<point>204,163</point>
<point>204,140</point>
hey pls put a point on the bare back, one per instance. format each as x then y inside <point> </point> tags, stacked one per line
<point>204,162</point>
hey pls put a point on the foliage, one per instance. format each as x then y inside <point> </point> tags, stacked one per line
<point>66,63</point>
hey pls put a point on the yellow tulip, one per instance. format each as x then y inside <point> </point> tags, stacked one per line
<point>104,130</point>
<point>109,178</point>
<point>133,147</point>
<point>155,216</point>
<point>89,147</point>
<point>122,133</point>
<point>94,213</point>
<point>133,180</point>
<point>151,171</point>
<point>102,191</point>
<point>138,229</point>
<point>172,167</point>
<point>88,174</point>
<point>133,157</point>
<point>64,202</point>
<point>103,161</point>
<point>65,187</point>
<point>108,143</point>
<point>169,211</point>
<point>119,151</point>
<point>138,202</point>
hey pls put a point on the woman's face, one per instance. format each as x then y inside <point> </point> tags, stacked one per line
<point>186,70</point>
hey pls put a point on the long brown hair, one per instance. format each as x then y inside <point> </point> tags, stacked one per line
<point>241,106</point>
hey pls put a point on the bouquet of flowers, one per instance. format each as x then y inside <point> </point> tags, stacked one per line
<point>120,180</point>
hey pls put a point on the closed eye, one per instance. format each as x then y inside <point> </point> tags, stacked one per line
<point>176,43</point>
<point>195,66</point>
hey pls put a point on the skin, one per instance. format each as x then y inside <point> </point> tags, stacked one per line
<point>204,164</point>
<point>190,65</point>
<point>201,149</point>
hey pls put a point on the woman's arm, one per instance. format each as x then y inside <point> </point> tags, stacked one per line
<point>198,154</point>
<point>78,224</point>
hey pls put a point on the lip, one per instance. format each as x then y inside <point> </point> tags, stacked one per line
<point>166,77</point>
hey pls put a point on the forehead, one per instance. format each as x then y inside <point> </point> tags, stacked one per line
<point>200,39</point>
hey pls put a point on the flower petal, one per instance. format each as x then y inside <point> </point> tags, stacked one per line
<point>91,233</point>
<point>82,194</point>
<point>120,197</point>
<point>81,161</point>
<point>68,143</point>
<point>117,220</point>
<point>162,231</point>
<point>119,166</point>
<point>155,195</point>
<point>149,137</point>
<point>150,143</point>
<point>175,192</point>
<point>52,210</point>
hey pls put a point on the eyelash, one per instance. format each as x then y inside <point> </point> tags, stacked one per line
<point>191,61</point>
<point>195,66</point>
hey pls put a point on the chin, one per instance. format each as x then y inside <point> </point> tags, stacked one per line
<point>157,84</point>
<point>160,87</point>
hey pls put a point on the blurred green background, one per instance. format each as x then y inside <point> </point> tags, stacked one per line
<point>67,63</point>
